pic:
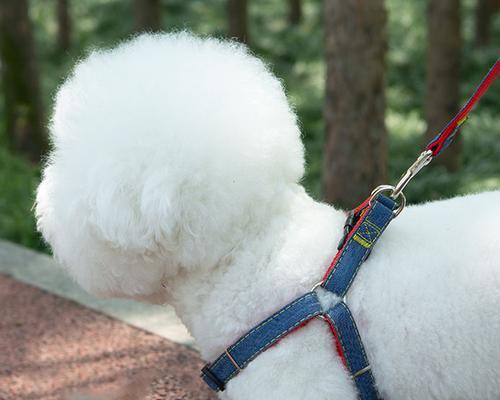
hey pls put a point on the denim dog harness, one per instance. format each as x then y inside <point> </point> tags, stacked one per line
<point>363,227</point>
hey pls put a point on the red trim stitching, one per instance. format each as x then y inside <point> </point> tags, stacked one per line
<point>338,344</point>
<point>363,207</point>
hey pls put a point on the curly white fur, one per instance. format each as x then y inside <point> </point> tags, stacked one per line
<point>176,162</point>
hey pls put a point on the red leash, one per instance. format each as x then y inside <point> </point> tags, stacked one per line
<point>439,143</point>
<point>446,136</point>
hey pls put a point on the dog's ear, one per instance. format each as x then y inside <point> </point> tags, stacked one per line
<point>167,152</point>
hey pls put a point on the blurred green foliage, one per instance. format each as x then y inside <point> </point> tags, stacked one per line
<point>18,180</point>
<point>295,54</point>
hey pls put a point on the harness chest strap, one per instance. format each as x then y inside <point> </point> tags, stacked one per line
<point>260,338</point>
<point>351,350</point>
<point>370,220</point>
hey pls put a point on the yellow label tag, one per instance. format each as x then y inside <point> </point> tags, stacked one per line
<point>460,122</point>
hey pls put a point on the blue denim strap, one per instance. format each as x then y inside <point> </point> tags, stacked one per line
<point>359,244</point>
<point>260,338</point>
<point>372,219</point>
<point>353,353</point>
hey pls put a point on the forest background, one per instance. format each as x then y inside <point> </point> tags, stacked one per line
<point>370,82</point>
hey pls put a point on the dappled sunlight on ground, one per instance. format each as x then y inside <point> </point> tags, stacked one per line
<point>52,348</point>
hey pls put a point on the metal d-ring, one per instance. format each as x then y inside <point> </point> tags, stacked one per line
<point>385,188</point>
<point>317,285</point>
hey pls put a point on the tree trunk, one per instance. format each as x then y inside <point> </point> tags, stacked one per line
<point>294,11</point>
<point>237,16</point>
<point>147,15</point>
<point>485,10</point>
<point>23,105</point>
<point>63,25</point>
<point>356,141</point>
<point>443,74</point>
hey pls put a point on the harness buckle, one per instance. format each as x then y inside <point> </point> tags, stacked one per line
<point>208,375</point>
<point>348,225</point>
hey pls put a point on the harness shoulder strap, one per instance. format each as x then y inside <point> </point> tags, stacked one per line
<point>372,220</point>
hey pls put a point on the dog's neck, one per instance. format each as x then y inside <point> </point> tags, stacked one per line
<point>272,266</point>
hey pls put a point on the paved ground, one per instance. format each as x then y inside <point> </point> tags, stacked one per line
<point>52,348</point>
<point>41,271</point>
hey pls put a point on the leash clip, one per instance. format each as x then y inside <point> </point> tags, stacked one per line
<point>397,191</point>
<point>423,159</point>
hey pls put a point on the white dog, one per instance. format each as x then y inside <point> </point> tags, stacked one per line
<point>174,177</point>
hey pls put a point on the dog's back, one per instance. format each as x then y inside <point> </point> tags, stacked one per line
<point>428,301</point>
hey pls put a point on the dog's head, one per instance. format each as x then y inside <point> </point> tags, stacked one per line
<point>165,151</point>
